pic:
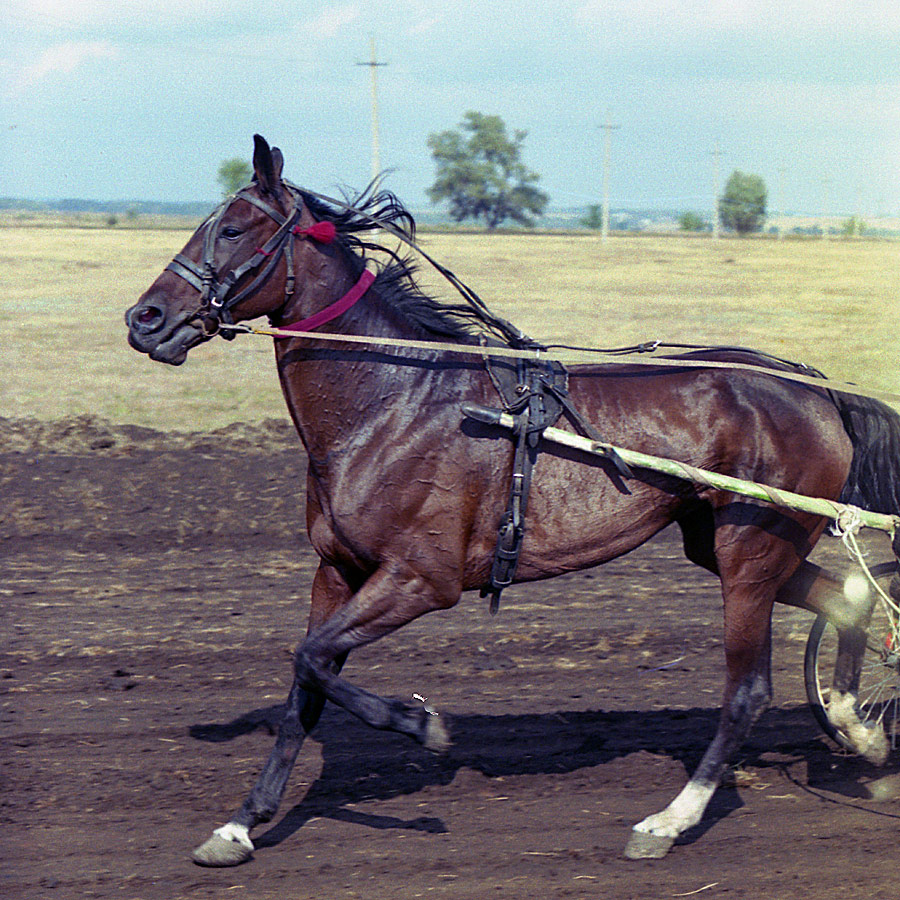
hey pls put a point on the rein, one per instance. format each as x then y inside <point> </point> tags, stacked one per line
<point>571,355</point>
<point>216,302</point>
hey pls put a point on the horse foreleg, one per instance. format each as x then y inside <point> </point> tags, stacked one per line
<point>391,597</point>
<point>231,845</point>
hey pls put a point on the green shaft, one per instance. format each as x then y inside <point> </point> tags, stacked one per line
<point>819,506</point>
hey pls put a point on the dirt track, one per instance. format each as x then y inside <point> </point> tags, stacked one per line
<point>153,587</point>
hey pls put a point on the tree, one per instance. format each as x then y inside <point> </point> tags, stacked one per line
<point>480,171</point>
<point>852,227</point>
<point>594,217</point>
<point>743,205</point>
<point>233,174</point>
<point>691,221</point>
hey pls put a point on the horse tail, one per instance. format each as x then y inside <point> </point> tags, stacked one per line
<point>874,430</point>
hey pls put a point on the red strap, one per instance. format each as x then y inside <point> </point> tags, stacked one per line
<point>354,295</point>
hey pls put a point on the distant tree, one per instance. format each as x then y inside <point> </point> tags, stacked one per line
<point>480,171</point>
<point>690,221</point>
<point>853,227</point>
<point>233,174</point>
<point>594,217</point>
<point>742,207</point>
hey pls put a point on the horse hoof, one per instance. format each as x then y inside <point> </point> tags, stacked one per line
<point>643,845</point>
<point>437,739</point>
<point>219,852</point>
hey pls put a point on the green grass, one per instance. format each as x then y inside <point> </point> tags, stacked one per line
<point>829,303</point>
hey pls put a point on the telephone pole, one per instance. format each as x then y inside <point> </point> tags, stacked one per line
<point>826,205</point>
<point>374,66</point>
<point>716,155</point>
<point>780,202</point>
<point>604,216</point>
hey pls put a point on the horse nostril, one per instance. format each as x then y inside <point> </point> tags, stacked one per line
<point>148,315</point>
<point>147,318</point>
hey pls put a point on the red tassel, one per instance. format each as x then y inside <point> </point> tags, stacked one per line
<point>323,232</point>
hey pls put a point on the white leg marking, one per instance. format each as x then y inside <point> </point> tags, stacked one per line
<point>653,838</point>
<point>237,833</point>
<point>682,813</point>
<point>868,739</point>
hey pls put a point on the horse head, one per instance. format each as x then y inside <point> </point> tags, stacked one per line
<point>224,272</point>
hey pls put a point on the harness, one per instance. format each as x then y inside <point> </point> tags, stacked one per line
<point>535,393</point>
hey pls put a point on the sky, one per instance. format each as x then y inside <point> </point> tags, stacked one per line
<point>142,99</point>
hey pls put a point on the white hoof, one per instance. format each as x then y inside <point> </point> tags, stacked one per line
<point>228,846</point>
<point>885,788</point>
<point>643,845</point>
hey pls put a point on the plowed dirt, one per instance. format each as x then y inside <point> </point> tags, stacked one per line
<point>153,587</point>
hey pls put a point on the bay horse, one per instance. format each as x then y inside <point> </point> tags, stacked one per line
<point>403,497</point>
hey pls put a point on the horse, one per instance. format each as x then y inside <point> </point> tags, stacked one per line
<point>404,495</point>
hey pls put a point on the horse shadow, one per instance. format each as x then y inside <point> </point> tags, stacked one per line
<point>360,763</point>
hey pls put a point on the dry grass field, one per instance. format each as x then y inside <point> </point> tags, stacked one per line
<point>833,304</point>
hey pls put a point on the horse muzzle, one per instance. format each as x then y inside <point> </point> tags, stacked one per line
<point>163,338</point>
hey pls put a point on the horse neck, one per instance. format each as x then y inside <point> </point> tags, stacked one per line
<point>337,394</point>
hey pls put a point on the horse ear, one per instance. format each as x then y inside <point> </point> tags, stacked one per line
<point>267,165</point>
<point>277,162</point>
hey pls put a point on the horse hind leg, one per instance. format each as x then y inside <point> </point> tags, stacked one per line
<point>753,562</point>
<point>818,591</point>
<point>747,695</point>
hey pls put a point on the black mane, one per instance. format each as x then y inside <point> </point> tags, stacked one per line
<point>364,216</point>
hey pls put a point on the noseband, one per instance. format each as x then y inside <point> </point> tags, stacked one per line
<point>216,300</point>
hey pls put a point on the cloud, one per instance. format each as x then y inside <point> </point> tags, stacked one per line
<point>330,22</point>
<point>61,59</point>
<point>749,16</point>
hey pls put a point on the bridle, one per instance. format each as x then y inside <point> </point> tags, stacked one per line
<point>216,301</point>
<point>216,298</point>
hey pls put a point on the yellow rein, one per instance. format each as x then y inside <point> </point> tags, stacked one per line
<point>568,356</point>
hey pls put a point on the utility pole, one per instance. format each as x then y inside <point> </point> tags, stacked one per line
<point>826,204</point>
<point>604,216</point>
<point>780,200</point>
<point>374,65</point>
<point>716,155</point>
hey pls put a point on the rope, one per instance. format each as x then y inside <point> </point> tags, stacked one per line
<point>846,527</point>
<point>573,355</point>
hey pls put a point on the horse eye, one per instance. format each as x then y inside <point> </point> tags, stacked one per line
<point>230,233</point>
